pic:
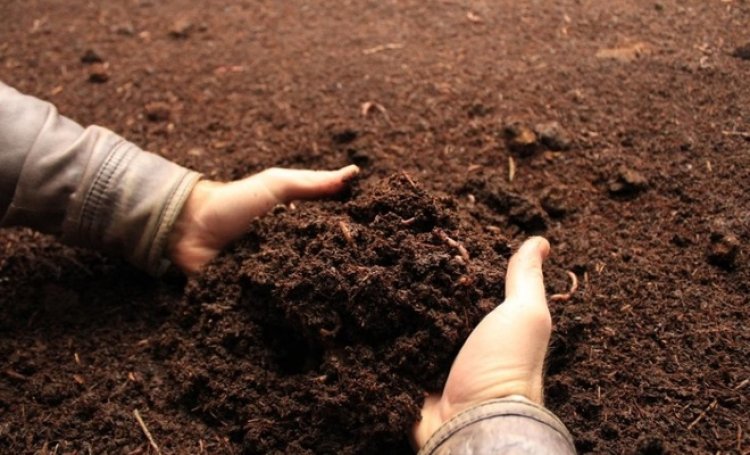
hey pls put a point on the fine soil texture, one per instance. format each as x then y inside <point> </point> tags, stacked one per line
<point>619,130</point>
<point>325,327</point>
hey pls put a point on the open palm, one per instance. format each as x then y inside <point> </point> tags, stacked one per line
<point>217,213</point>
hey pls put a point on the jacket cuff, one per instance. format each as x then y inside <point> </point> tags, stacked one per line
<point>508,425</point>
<point>129,204</point>
<point>157,261</point>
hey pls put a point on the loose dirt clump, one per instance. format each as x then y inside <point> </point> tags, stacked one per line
<point>554,136</point>
<point>627,182</point>
<point>521,139</point>
<point>343,316</point>
<point>724,246</point>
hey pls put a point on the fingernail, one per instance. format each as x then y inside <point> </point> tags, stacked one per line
<point>350,172</point>
<point>542,245</point>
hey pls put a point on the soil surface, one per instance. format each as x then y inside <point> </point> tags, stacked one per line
<point>619,130</point>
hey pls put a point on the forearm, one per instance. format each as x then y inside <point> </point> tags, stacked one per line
<point>504,426</point>
<point>88,186</point>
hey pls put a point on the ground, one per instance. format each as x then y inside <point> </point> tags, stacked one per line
<point>647,204</point>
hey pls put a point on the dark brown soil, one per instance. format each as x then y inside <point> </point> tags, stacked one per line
<point>641,187</point>
<point>324,311</point>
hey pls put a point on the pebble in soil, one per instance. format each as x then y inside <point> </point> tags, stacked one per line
<point>330,322</point>
<point>724,245</point>
<point>513,209</point>
<point>627,182</point>
<point>742,52</point>
<point>91,56</point>
<point>556,201</point>
<point>181,28</point>
<point>553,136</point>
<point>521,139</point>
<point>99,73</point>
<point>524,140</point>
<point>158,111</point>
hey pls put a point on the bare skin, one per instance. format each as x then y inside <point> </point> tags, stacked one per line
<point>504,355</point>
<point>217,213</point>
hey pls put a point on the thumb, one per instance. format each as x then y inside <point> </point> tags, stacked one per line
<point>524,282</point>
<point>288,185</point>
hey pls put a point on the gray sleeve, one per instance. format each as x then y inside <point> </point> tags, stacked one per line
<point>88,186</point>
<point>508,426</point>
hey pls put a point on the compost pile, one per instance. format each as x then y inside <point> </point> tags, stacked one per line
<point>324,327</point>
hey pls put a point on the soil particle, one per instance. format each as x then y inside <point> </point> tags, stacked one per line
<point>554,201</point>
<point>627,181</point>
<point>651,446</point>
<point>181,28</point>
<point>553,136</point>
<point>625,54</point>
<point>98,73</point>
<point>124,29</point>
<point>478,110</point>
<point>680,240</point>
<point>344,136</point>
<point>91,56</point>
<point>742,52</point>
<point>359,157</point>
<point>724,246</point>
<point>519,209</point>
<point>521,139</point>
<point>158,111</point>
<point>525,140</point>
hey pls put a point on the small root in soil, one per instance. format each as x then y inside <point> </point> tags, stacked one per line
<point>409,179</point>
<point>145,431</point>
<point>347,233</point>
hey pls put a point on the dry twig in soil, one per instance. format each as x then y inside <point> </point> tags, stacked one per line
<point>15,375</point>
<point>702,415</point>
<point>382,47</point>
<point>409,179</point>
<point>742,134</point>
<point>368,106</point>
<point>145,431</point>
<point>347,233</point>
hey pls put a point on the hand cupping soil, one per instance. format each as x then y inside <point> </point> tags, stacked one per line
<point>325,326</point>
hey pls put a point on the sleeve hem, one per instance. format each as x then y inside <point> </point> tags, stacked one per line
<point>516,408</point>
<point>157,263</point>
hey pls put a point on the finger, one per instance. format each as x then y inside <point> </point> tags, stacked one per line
<point>291,184</point>
<point>524,282</point>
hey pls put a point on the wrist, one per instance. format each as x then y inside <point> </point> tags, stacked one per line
<point>437,411</point>
<point>189,228</point>
<point>430,420</point>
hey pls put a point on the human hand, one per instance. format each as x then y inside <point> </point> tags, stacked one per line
<point>217,213</point>
<point>504,355</point>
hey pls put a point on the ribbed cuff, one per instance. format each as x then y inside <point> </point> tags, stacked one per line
<point>128,201</point>
<point>508,425</point>
<point>157,260</point>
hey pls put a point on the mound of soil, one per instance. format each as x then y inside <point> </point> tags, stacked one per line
<point>618,130</point>
<point>328,323</point>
